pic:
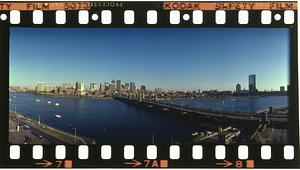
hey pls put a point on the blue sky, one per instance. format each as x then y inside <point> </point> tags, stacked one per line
<point>169,58</point>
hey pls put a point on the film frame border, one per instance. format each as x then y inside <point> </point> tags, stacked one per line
<point>117,161</point>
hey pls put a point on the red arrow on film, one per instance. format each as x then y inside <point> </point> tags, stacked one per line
<point>135,163</point>
<point>225,164</point>
<point>45,163</point>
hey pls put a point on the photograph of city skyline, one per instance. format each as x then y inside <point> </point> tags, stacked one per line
<point>175,85</point>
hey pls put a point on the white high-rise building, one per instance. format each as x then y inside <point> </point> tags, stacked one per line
<point>40,86</point>
<point>93,86</point>
<point>80,88</point>
<point>102,87</point>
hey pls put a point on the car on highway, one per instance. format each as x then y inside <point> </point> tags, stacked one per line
<point>25,126</point>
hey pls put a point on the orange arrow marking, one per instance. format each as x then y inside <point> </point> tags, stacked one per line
<point>225,164</point>
<point>45,163</point>
<point>135,163</point>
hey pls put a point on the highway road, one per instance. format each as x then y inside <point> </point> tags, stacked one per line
<point>31,135</point>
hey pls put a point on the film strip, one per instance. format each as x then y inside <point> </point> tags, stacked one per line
<point>158,114</point>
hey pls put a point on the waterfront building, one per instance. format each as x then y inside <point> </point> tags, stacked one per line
<point>132,86</point>
<point>17,89</point>
<point>126,87</point>
<point>80,88</point>
<point>238,88</point>
<point>93,87</point>
<point>252,83</point>
<point>112,86</point>
<point>140,97</point>
<point>106,86</point>
<point>67,86</point>
<point>49,88</point>
<point>69,91</point>
<point>118,84</point>
<point>40,86</point>
<point>143,87</point>
<point>102,87</point>
<point>282,89</point>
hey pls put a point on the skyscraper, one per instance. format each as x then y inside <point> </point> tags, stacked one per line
<point>102,87</point>
<point>40,86</point>
<point>112,86</point>
<point>106,86</point>
<point>252,83</point>
<point>118,84</point>
<point>126,86</point>
<point>93,86</point>
<point>238,88</point>
<point>79,88</point>
<point>143,87</point>
<point>132,86</point>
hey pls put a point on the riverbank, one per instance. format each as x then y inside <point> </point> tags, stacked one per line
<point>29,127</point>
<point>70,96</point>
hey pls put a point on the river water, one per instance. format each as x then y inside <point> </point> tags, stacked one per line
<point>240,104</point>
<point>113,121</point>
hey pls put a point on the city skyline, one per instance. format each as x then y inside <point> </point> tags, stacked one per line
<point>119,84</point>
<point>147,57</point>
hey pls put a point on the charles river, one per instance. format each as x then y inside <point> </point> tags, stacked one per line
<point>113,121</point>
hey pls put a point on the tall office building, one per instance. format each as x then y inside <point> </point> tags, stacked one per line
<point>79,88</point>
<point>118,84</point>
<point>126,87</point>
<point>102,87</point>
<point>112,86</point>
<point>143,87</point>
<point>132,86</point>
<point>238,88</point>
<point>40,86</point>
<point>252,83</point>
<point>93,86</point>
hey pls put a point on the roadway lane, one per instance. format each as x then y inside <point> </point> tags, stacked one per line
<point>32,133</point>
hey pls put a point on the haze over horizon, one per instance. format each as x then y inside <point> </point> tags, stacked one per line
<point>167,58</point>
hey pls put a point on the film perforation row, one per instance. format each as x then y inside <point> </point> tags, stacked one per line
<point>129,16</point>
<point>152,152</point>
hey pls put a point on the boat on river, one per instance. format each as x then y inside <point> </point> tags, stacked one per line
<point>57,116</point>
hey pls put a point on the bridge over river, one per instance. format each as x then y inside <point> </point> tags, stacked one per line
<point>276,118</point>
